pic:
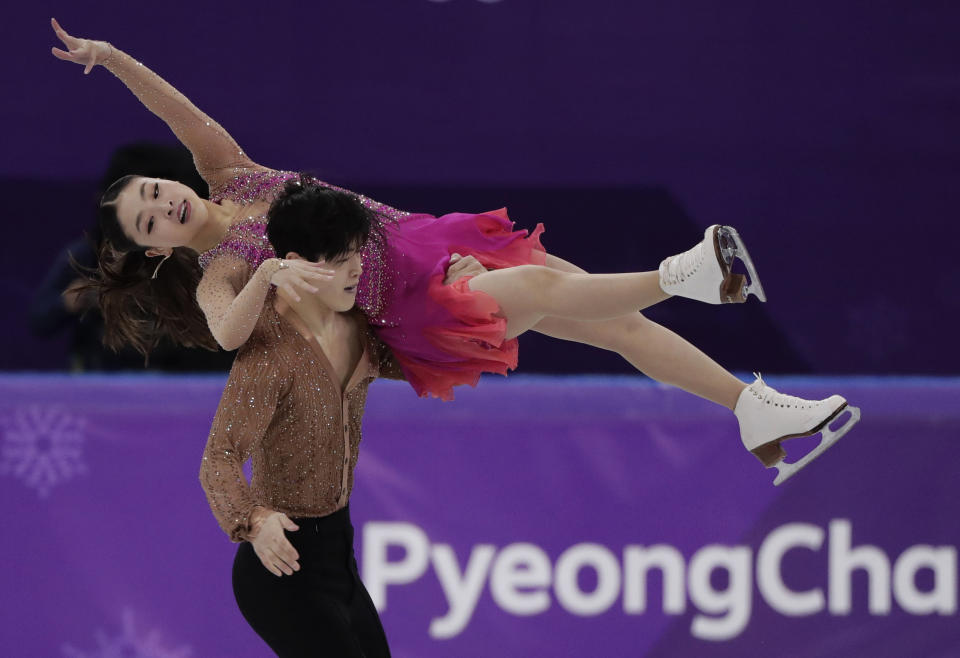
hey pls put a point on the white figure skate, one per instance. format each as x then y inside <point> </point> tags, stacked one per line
<point>704,272</point>
<point>767,418</point>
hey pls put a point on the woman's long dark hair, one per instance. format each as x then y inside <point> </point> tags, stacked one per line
<point>139,310</point>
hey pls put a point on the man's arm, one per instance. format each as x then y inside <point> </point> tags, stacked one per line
<point>246,409</point>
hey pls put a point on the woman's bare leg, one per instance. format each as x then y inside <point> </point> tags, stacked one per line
<point>650,348</point>
<point>766,417</point>
<point>529,293</point>
<point>655,351</point>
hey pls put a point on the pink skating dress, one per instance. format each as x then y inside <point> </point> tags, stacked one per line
<point>442,335</point>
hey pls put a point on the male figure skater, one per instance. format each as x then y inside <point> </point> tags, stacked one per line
<point>294,402</point>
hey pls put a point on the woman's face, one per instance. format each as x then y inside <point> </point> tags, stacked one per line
<point>159,213</point>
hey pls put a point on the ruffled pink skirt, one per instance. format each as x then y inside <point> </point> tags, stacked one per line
<point>445,336</point>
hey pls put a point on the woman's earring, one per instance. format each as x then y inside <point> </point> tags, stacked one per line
<point>162,261</point>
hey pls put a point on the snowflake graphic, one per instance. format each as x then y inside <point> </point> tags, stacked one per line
<point>42,446</point>
<point>128,645</point>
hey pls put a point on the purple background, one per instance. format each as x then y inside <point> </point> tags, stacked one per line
<point>826,131</point>
<point>124,535</point>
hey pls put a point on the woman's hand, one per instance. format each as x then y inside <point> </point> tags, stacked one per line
<point>80,51</point>
<point>275,551</point>
<point>297,273</point>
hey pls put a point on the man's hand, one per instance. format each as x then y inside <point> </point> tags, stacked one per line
<point>461,266</point>
<point>275,551</point>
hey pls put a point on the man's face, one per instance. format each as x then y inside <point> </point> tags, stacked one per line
<point>339,293</point>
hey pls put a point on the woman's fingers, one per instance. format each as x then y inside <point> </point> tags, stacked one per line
<point>79,51</point>
<point>61,54</point>
<point>59,31</point>
<point>68,40</point>
<point>318,276</point>
<point>312,268</point>
<point>306,286</point>
<point>290,291</point>
<point>314,274</point>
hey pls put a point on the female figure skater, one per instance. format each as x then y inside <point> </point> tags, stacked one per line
<point>441,337</point>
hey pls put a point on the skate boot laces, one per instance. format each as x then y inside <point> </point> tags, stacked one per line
<point>683,266</point>
<point>769,395</point>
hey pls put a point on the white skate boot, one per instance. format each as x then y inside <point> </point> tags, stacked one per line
<point>767,417</point>
<point>704,272</point>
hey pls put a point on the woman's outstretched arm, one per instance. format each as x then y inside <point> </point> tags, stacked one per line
<point>212,147</point>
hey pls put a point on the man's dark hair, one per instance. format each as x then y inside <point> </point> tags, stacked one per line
<point>318,223</point>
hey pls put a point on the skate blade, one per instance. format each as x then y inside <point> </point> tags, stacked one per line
<point>787,471</point>
<point>731,247</point>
